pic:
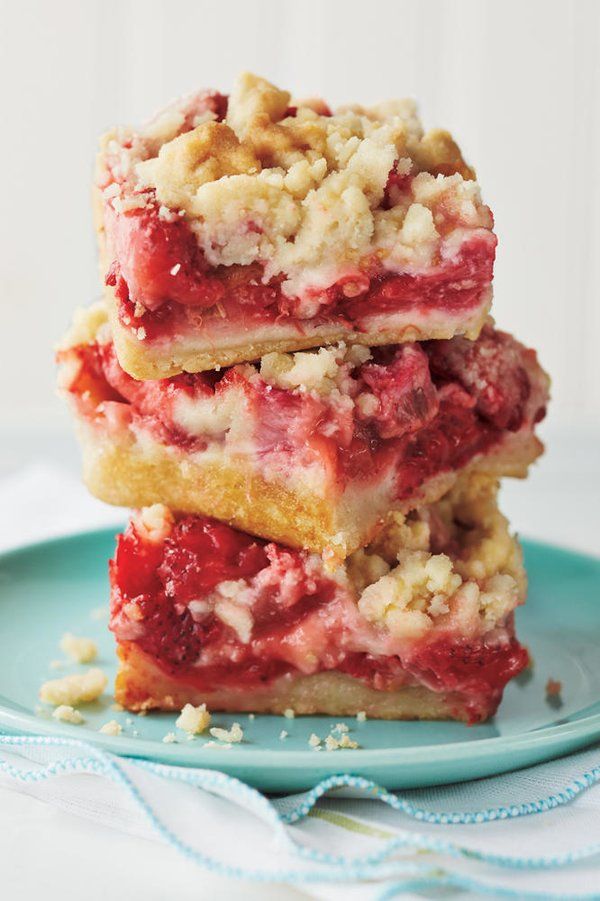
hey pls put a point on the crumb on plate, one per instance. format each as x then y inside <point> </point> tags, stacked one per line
<point>67,714</point>
<point>78,688</point>
<point>111,728</point>
<point>193,720</point>
<point>553,687</point>
<point>233,735</point>
<point>78,648</point>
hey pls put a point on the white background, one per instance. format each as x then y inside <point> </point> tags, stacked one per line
<point>516,81</point>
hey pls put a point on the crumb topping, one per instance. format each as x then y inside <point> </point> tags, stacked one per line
<point>324,370</point>
<point>154,523</point>
<point>477,586</point>
<point>78,688</point>
<point>312,195</point>
<point>412,595</point>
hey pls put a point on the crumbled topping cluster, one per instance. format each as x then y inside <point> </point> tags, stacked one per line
<point>417,589</point>
<point>154,523</point>
<point>309,194</point>
<point>323,370</point>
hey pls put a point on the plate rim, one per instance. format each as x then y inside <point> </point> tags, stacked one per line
<point>257,758</point>
<point>583,728</point>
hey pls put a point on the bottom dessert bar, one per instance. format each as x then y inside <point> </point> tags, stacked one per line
<point>419,625</point>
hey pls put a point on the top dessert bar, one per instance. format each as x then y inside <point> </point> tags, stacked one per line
<point>231,227</point>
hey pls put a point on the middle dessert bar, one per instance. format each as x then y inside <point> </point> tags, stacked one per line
<point>313,448</point>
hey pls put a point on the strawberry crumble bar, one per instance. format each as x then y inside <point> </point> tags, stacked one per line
<point>312,448</point>
<point>417,625</point>
<point>293,379</point>
<point>232,227</point>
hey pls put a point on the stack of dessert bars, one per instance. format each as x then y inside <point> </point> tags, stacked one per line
<point>294,380</point>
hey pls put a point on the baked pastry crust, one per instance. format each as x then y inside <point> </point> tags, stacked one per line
<point>206,349</point>
<point>142,685</point>
<point>135,474</point>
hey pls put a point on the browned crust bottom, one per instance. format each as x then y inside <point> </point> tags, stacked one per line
<point>123,472</point>
<point>145,360</point>
<point>141,685</point>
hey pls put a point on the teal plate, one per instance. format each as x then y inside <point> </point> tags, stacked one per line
<point>57,586</point>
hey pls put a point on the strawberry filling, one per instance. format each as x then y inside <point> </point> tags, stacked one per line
<point>164,598</point>
<point>159,265</point>
<point>479,669</point>
<point>434,407</point>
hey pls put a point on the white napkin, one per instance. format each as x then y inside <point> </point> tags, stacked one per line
<point>535,833</point>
